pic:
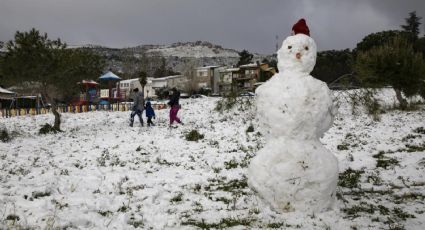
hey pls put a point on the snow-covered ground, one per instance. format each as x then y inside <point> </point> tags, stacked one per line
<point>102,174</point>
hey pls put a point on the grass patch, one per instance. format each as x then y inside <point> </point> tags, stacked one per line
<point>420,130</point>
<point>343,146</point>
<point>415,148</point>
<point>386,162</point>
<point>194,135</point>
<point>177,198</point>
<point>231,164</point>
<point>104,213</point>
<point>383,161</point>
<point>224,223</point>
<point>353,211</point>
<point>276,225</point>
<point>401,214</point>
<point>37,195</point>
<point>350,178</point>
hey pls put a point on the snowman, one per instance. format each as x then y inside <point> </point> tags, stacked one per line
<point>294,171</point>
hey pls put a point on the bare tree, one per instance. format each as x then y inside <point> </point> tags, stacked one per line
<point>189,71</point>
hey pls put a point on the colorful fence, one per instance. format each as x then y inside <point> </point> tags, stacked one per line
<point>72,109</point>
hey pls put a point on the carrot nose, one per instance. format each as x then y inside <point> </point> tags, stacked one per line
<point>298,55</point>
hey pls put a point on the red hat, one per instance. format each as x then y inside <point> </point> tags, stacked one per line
<point>301,27</point>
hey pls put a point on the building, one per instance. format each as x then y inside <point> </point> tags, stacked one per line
<point>248,75</point>
<point>205,76</point>
<point>224,82</point>
<point>127,86</point>
<point>178,81</point>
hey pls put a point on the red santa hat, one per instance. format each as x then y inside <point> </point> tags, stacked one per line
<point>301,27</point>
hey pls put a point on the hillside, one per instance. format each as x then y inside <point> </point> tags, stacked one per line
<point>129,60</point>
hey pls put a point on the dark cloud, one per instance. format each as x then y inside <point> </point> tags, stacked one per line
<point>239,24</point>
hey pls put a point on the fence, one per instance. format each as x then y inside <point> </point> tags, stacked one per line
<point>71,109</point>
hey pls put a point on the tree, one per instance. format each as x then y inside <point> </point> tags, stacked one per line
<point>272,63</point>
<point>412,25</point>
<point>395,64</point>
<point>245,57</point>
<point>33,57</point>
<point>189,71</point>
<point>332,64</point>
<point>376,39</point>
<point>143,79</point>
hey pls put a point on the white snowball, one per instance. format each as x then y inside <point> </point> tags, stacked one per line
<point>287,60</point>
<point>293,175</point>
<point>294,172</point>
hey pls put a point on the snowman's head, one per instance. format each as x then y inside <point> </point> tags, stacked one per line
<point>297,54</point>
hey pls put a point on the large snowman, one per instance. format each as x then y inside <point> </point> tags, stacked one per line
<point>294,171</point>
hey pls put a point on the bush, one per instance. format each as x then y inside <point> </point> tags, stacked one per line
<point>233,99</point>
<point>194,135</point>
<point>250,129</point>
<point>47,129</point>
<point>4,135</point>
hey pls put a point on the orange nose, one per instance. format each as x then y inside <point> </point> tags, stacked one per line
<point>298,55</point>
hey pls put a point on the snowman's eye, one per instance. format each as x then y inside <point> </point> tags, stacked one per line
<point>289,47</point>
<point>306,48</point>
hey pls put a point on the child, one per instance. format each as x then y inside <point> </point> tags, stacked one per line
<point>139,102</point>
<point>150,113</point>
<point>175,106</point>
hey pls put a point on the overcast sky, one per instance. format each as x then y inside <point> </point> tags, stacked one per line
<point>238,24</point>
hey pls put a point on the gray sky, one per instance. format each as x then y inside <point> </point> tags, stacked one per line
<point>238,24</point>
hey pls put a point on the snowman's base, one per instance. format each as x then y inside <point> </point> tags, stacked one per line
<point>295,175</point>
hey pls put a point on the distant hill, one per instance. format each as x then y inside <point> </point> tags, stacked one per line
<point>197,49</point>
<point>150,57</point>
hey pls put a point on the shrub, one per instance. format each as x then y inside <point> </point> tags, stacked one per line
<point>47,128</point>
<point>194,135</point>
<point>4,135</point>
<point>250,129</point>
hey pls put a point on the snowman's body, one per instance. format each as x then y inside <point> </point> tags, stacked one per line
<point>294,171</point>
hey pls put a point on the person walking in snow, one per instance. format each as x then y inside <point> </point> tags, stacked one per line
<point>175,106</point>
<point>149,113</point>
<point>138,106</point>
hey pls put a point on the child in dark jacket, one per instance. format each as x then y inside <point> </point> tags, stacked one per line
<point>150,113</point>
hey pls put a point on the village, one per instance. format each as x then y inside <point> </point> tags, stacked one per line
<point>205,80</point>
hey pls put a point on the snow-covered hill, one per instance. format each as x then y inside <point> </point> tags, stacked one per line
<point>101,174</point>
<point>176,55</point>
<point>197,49</point>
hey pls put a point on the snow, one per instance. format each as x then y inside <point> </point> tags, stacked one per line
<point>5,91</point>
<point>101,174</point>
<point>294,172</point>
<point>189,50</point>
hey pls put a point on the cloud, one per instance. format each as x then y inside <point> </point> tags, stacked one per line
<point>239,24</point>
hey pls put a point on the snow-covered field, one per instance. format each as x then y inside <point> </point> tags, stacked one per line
<point>101,174</point>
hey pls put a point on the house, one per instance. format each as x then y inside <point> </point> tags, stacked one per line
<point>205,76</point>
<point>127,86</point>
<point>178,81</point>
<point>248,75</point>
<point>225,80</point>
